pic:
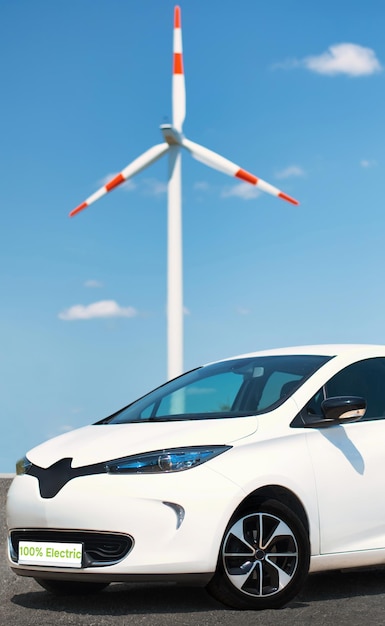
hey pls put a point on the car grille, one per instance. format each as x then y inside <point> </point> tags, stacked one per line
<point>99,548</point>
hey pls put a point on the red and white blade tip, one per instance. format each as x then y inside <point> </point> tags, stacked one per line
<point>79,208</point>
<point>178,84</point>
<point>284,196</point>
<point>177,17</point>
<point>253,180</point>
<point>177,51</point>
<point>141,162</point>
<point>117,180</point>
<point>220,163</point>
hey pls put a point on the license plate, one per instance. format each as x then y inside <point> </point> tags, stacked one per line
<point>49,553</point>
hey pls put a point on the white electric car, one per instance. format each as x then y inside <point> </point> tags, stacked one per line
<point>243,475</point>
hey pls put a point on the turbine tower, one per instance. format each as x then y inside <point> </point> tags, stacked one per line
<point>174,140</point>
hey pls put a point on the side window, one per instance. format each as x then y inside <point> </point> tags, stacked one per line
<point>365,379</point>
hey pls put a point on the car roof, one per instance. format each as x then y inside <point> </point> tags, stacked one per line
<point>361,350</point>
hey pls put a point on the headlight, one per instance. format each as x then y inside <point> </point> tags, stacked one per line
<point>22,466</point>
<point>163,461</point>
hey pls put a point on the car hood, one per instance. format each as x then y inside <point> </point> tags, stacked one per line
<point>99,443</point>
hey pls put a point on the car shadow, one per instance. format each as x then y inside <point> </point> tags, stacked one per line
<point>341,584</point>
<point>121,599</point>
<point>139,599</point>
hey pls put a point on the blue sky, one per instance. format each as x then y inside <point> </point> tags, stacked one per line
<point>292,91</point>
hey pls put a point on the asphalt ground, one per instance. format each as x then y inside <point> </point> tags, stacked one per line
<point>341,598</point>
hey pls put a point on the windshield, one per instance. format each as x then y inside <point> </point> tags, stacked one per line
<point>234,388</point>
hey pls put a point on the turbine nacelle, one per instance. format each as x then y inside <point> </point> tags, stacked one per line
<point>172,136</point>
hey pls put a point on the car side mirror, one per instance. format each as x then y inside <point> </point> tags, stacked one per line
<point>338,410</point>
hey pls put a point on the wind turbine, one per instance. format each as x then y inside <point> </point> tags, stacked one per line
<point>174,140</point>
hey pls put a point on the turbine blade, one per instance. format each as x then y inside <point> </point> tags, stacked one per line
<point>178,82</point>
<point>218,162</point>
<point>145,159</point>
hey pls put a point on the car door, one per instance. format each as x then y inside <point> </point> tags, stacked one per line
<point>349,463</point>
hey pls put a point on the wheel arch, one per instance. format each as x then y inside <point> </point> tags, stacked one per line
<point>279,493</point>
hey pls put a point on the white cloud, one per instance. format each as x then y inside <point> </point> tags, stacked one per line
<point>155,187</point>
<point>287,64</point>
<point>341,58</point>
<point>243,310</point>
<point>290,172</point>
<point>102,309</point>
<point>368,163</point>
<point>59,430</point>
<point>241,190</point>
<point>344,58</point>
<point>201,186</point>
<point>93,284</point>
<point>66,428</point>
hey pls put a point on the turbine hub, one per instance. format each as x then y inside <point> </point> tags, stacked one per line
<point>171,136</point>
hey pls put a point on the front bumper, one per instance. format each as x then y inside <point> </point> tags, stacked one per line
<point>176,520</point>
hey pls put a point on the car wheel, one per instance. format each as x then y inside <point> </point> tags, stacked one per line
<point>69,587</point>
<point>264,558</point>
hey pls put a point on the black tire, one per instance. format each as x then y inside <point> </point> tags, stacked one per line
<point>70,587</point>
<point>258,567</point>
